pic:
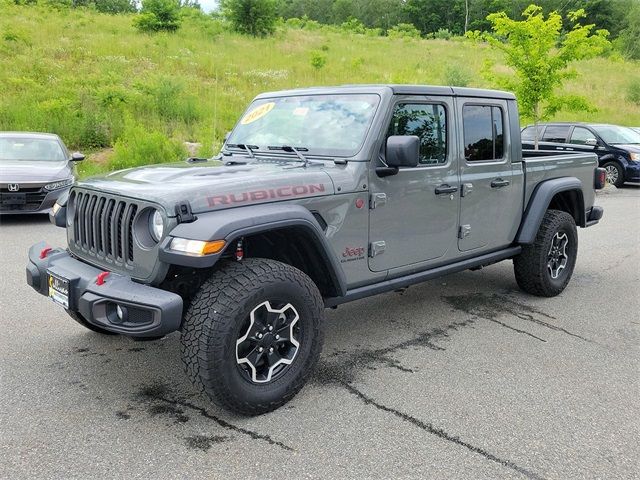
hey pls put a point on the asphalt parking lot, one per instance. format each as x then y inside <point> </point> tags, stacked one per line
<point>462,377</point>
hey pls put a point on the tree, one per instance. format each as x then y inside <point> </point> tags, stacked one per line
<point>629,40</point>
<point>158,15</point>
<point>115,6</point>
<point>252,17</point>
<point>540,56</point>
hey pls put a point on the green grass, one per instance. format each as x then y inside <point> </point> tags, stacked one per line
<point>97,82</point>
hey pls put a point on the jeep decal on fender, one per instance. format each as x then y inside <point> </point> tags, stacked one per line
<point>352,253</point>
<point>271,193</point>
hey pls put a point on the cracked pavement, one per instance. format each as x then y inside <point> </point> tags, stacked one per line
<point>460,377</point>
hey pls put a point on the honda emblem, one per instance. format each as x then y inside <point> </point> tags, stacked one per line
<point>13,187</point>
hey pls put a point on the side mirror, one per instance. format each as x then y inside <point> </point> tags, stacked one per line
<point>591,142</point>
<point>77,157</point>
<point>403,151</point>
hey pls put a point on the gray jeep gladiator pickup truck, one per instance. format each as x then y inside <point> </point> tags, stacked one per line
<point>318,197</point>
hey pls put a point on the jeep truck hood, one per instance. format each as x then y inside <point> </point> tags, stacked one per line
<point>214,186</point>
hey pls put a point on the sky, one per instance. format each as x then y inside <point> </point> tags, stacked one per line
<point>208,5</point>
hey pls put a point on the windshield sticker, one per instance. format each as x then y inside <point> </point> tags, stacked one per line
<point>301,111</point>
<point>257,113</point>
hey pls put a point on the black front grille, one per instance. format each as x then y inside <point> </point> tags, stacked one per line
<point>104,226</point>
<point>24,200</point>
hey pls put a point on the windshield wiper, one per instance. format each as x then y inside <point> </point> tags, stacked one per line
<point>248,148</point>
<point>296,150</point>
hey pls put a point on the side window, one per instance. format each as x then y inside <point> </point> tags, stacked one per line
<point>556,133</point>
<point>580,135</point>
<point>483,133</point>
<point>429,123</point>
<point>529,133</point>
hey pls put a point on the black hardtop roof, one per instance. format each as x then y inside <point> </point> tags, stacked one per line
<point>395,89</point>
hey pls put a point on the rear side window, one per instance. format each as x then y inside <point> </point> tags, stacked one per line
<point>483,133</point>
<point>429,123</point>
<point>556,133</point>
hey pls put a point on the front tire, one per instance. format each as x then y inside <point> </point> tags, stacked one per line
<point>614,174</point>
<point>252,335</point>
<point>544,268</point>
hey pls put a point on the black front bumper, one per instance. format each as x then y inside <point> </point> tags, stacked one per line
<point>149,312</point>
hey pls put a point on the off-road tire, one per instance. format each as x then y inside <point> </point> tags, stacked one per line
<point>531,265</point>
<point>620,178</point>
<point>80,319</point>
<point>213,322</point>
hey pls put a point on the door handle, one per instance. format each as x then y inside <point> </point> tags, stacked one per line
<point>445,189</point>
<point>499,183</point>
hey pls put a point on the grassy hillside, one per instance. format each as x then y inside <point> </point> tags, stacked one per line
<point>96,81</point>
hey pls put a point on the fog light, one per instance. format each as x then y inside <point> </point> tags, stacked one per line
<point>121,313</point>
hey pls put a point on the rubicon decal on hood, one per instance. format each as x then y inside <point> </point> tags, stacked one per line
<point>266,194</point>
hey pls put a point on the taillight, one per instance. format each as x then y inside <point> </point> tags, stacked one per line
<point>600,178</point>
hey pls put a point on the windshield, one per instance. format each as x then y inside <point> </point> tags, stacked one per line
<point>334,125</point>
<point>38,149</point>
<point>614,135</point>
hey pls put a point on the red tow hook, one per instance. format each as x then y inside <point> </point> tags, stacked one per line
<point>44,252</point>
<point>100,279</point>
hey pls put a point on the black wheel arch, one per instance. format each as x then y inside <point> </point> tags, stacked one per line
<point>564,194</point>
<point>288,233</point>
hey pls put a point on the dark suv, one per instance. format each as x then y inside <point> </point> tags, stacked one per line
<point>618,148</point>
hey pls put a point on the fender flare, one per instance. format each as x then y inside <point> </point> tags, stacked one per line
<point>233,223</point>
<point>539,203</point>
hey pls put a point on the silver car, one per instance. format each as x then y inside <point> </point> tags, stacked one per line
<point>35,169</point>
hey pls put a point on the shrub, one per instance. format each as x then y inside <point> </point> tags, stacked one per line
<point>318,60</point>
<point>353,25</point>
<point>403,30</point>
<point>456,77</point>
<point>251,17</point>
<point>442,34</point>
<point>115,6</point>
<point>158,15</point>
<point>633,92</point>
<point>140,146</point>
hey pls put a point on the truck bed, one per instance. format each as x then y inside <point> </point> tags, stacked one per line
<point>546,167</point>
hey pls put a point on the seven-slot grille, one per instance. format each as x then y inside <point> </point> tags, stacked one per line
<point>104,226</point>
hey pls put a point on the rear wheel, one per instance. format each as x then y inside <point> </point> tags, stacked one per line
<point>544,268</point>
<point>253,334</point>
<point>614,174</point>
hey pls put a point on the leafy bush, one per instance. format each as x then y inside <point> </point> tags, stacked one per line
<point>353,25</point>
<point>140,146</point>
<point>158,15</point>
<point>251,17</point>
<point>456,77</point>
<point>633,92</point>
<point>403,30</point>
<point>442,34</point>
<point>318,60</point>
<point>115,6</point>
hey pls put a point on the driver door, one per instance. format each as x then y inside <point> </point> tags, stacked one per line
<point>413,216</point>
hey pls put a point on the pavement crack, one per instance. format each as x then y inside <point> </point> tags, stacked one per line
<point>226,425</point>
<point>491,307</point>
<point>439,432</point>
<point>160,393</point>
<point>336,372</point>
<point>515,329</point>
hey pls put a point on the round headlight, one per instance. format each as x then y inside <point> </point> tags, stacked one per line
<point>156,226</point>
